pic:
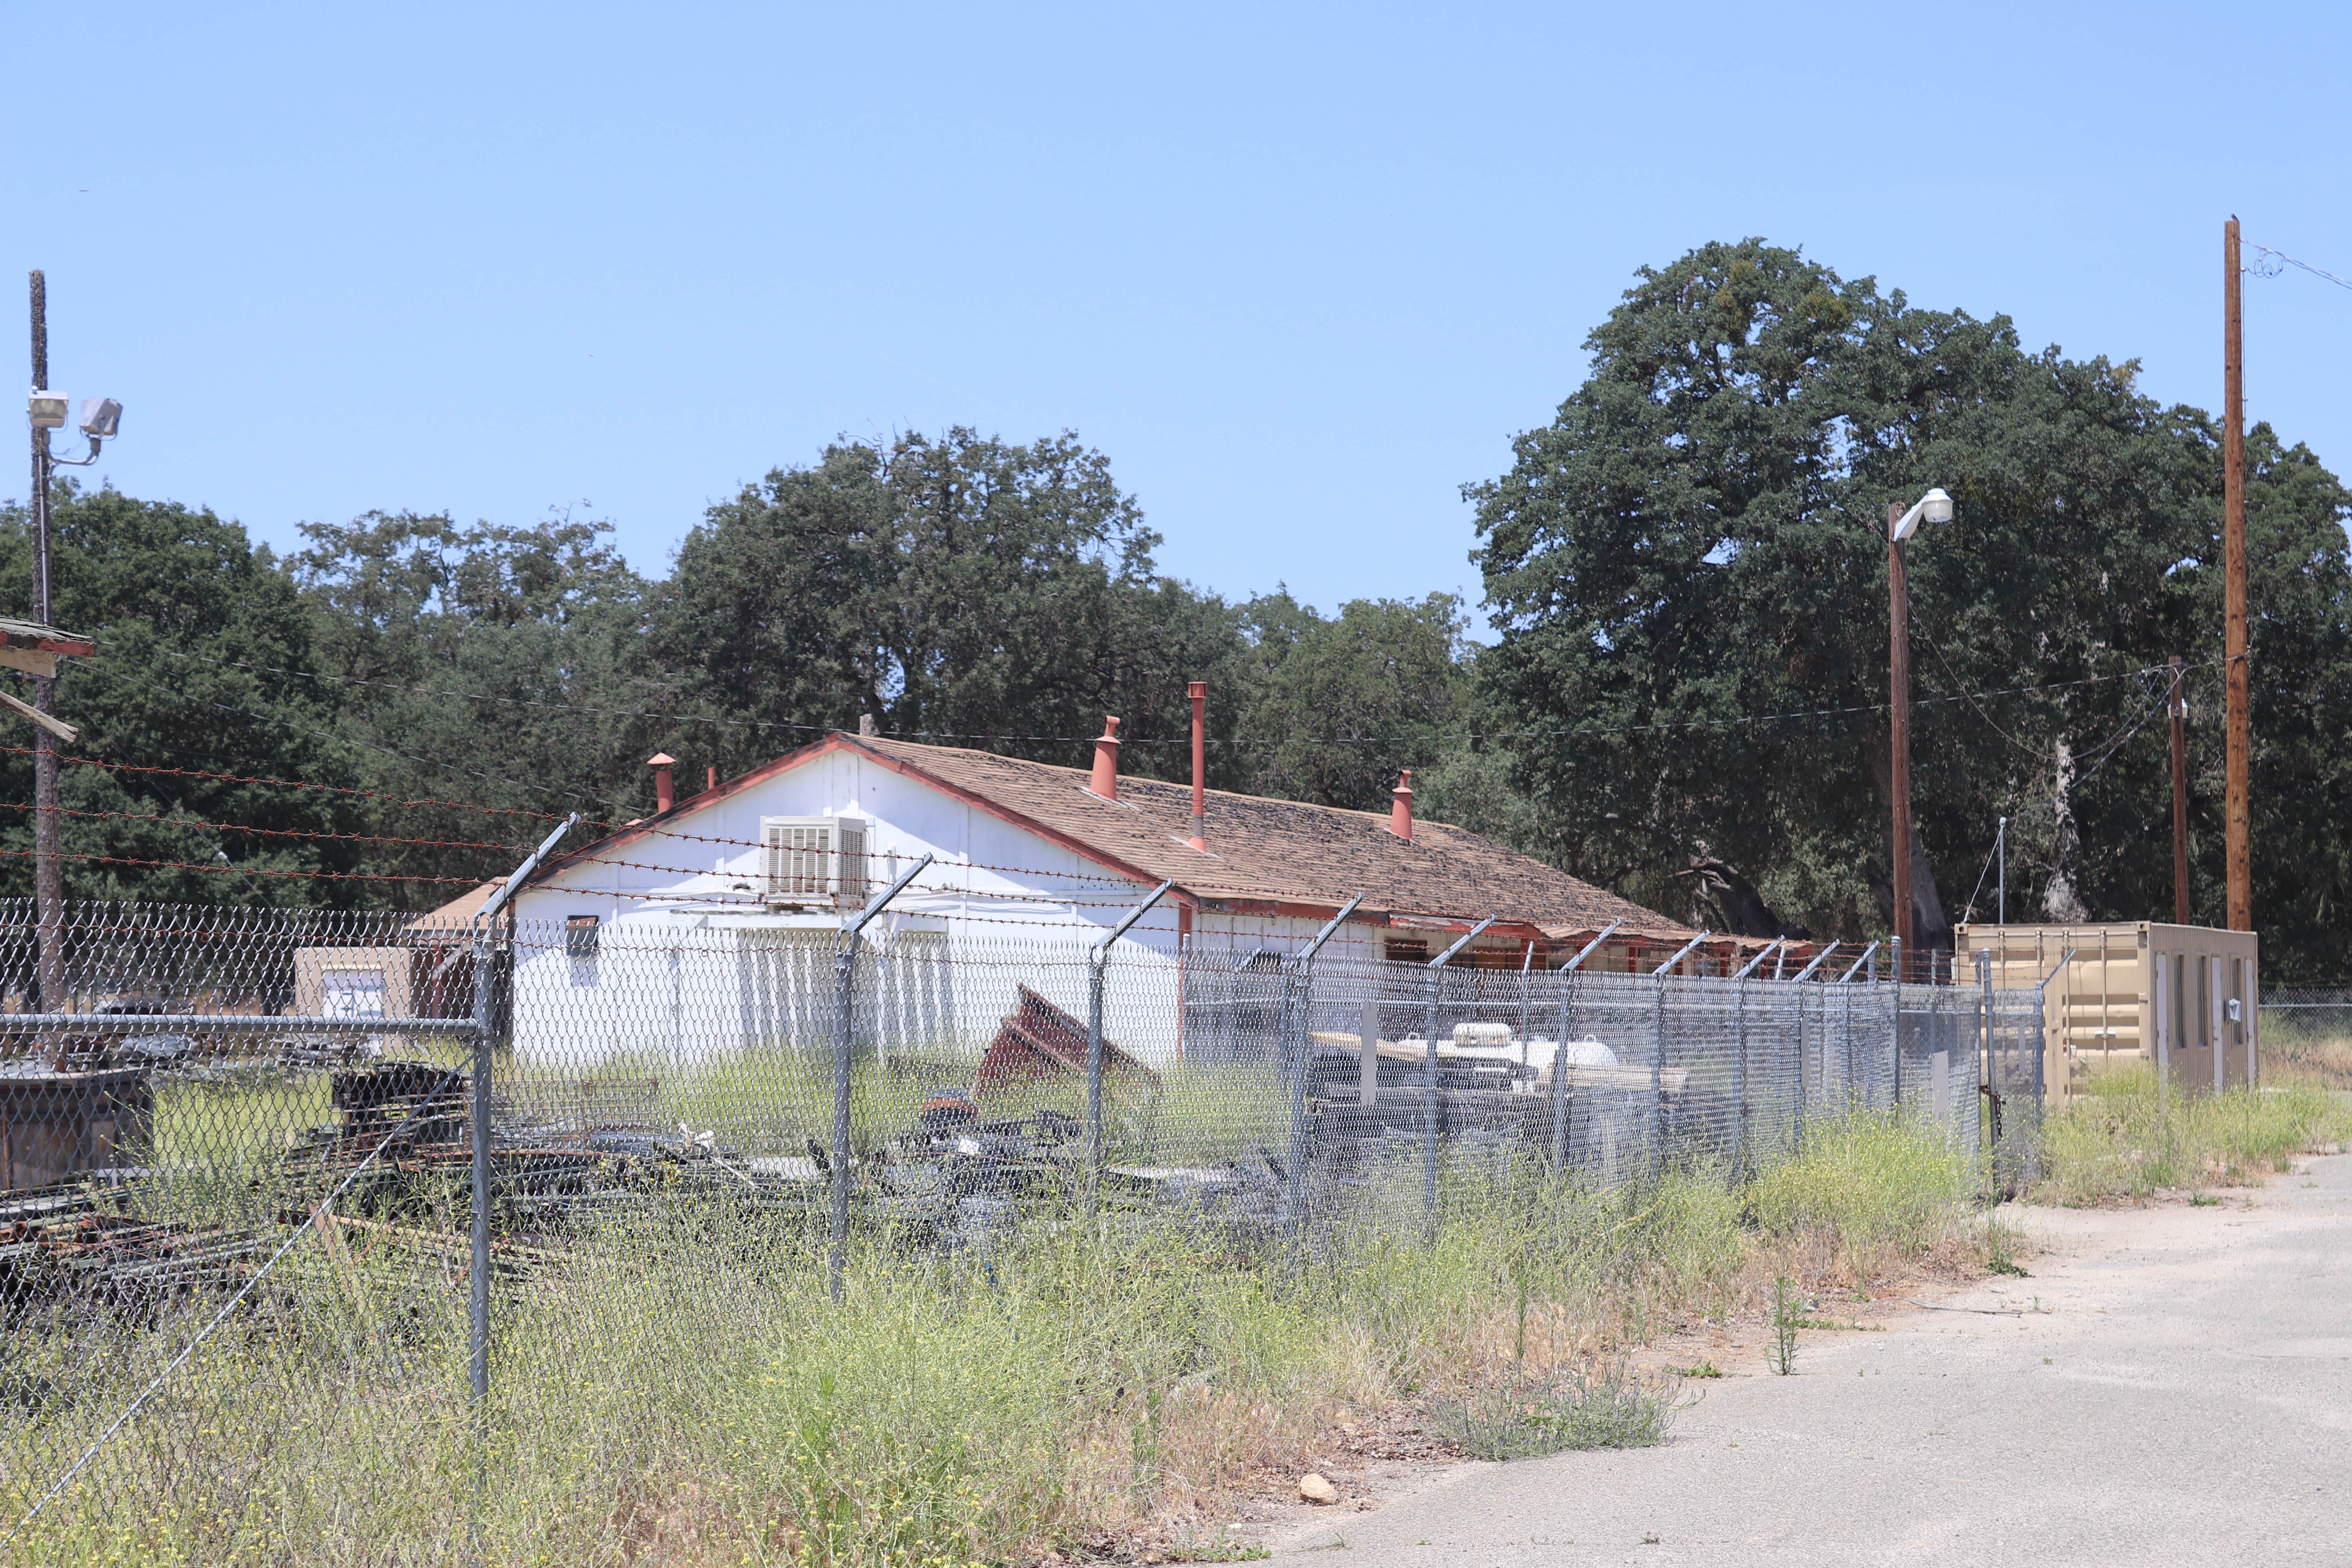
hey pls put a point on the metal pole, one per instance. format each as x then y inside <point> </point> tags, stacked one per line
<point>845,978</point>
<point>2237,720</point>
<point>1429,1078</point>
<point>48,868</point>
<point>1899,683</point>
<point>1658,1066</point>
<point>1098,969</point>
<point>1429,1112</point>
<point>1897,1044</point>
<point>485,1063</point>
<point>1739,1070</point>
<point>1568,974</point>
<point>845,1020</point>
<point>1098,964</point>
<point>1298,991</point>
<point>2178,702</point>
<point>2000,852</point>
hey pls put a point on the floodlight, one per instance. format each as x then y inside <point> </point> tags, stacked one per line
<point>48,409</point>
<point>101,416</point>
<point>1933,507</point>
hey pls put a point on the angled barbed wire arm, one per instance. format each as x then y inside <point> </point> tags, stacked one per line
<point>1559,1047</point>
<point>1819,958</point>
<point>1301,999</point>
<point>1856,964</point>
<point>1685,952</point>
<point>1436,970</point>
<point>1762,954</point>
<point>845,977</point>
<point>1098,967</point>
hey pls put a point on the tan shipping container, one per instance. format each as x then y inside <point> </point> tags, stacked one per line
<point>2182,997</point>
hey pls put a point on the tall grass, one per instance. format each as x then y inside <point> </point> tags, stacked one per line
<point>681,1389</point>
<point>2121,1139</point>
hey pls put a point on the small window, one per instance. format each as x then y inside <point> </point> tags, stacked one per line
<point>580,936</point>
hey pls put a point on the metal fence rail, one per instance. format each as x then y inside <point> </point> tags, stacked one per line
<point>282,1113</point>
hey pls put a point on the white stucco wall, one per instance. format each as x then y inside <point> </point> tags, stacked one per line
<point>689,965</point>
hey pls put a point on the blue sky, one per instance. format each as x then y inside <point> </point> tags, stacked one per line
<point>1300,271</point>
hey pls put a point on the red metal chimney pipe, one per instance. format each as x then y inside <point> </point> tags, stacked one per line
<point>1199,692</point>
<point>665,793</point>
<point>1106,780</point>
<point>710,778</point>
<point>1401,807</point>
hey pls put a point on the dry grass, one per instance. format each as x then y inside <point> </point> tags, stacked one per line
<point>683,1393</point>
<point>2121,1139</point>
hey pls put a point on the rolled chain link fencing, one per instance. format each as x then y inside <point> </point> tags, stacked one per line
<point>258,1200</point>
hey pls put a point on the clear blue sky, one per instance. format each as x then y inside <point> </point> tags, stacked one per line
<point>1301,272</point>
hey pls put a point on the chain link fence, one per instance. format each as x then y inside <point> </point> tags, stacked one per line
<point>260,1202</point>
<point>2306,1033</point>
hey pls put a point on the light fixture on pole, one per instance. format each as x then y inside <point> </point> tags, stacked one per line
<point>1933,507</point>
<point>102,418</point>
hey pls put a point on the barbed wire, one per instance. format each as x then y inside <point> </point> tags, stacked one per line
<point>272,832</point>
<point>233,870</point>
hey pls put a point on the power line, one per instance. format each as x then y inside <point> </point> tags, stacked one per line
<point>1662,726</point>
<point>248,871</point>
<point>2291,261</point>
<point>158,816</point>
<point>297,784</point>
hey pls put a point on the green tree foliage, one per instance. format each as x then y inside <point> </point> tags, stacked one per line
<point>489,665</point>
<point>964,590</point>
<point>1339,705</point>
<point>182,608</point>
<point>1697,539</point>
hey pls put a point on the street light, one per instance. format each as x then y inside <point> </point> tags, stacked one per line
<point>1933,507</point>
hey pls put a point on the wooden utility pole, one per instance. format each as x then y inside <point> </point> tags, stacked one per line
<point>2236,720</point>
<point>48,872</point>
<point>1898,713</point>
<point>2179,797</point>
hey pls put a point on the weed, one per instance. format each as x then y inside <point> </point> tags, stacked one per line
<point>2123,1139</point>
<point>2203,1201</point>
<point>1704,1369</point>
<point>1612,1408</point>
<point>1786,1315</point>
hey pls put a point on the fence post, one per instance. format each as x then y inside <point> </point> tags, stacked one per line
<point>1567,982</point>
<point>1739,1055</point>
<point>1303,966</point>
<point>1895,948</point>
<point>1097,964</point>
<point>1429,1078</point>
<point>1098,969</point>
<point>1429,1109</point>
<point>478,1292</point>
<point>844,1023</point>
<point>478,1283</point>
<point>1658,1052</point>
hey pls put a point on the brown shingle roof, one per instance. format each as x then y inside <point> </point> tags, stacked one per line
<point>1263,853</point>
<point>1279,851</point>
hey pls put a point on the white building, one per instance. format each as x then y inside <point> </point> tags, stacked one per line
<point>712,926</point>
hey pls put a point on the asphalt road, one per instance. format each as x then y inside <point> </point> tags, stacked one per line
<point>2177,1391</point>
